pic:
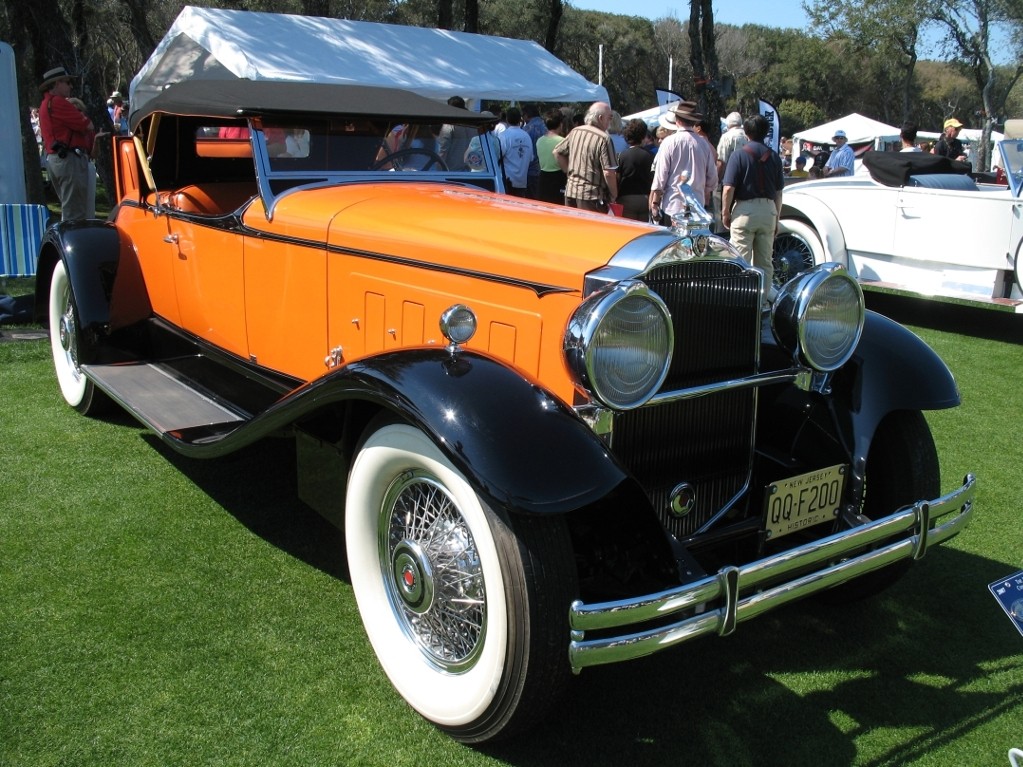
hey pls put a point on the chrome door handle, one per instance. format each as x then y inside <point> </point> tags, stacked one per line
<point>171,238</point>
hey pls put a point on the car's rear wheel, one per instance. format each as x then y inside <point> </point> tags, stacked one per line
<point>902,468</point>
<point>66,347</point>
<point>467,610</point>
<point>797,248</point>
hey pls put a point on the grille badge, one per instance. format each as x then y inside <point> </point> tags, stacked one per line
<point>682,499</point>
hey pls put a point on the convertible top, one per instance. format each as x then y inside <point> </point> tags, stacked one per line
<point>254,98</point>
<point>895,168</point>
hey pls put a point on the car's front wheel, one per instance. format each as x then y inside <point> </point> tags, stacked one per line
<point>466,609</point>
<point>797,248</point>
<point>66,347</point>
<point>902,468</point>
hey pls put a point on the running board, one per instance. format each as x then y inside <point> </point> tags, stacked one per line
<point>164,400</point>
<point>1014,305</point>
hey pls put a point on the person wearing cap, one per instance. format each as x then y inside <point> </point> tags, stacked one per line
<point>588,159</point>
<point>751,198</point>
<point>842,161</point>
<point>949,144</point>
<point>800,170</point>
<point>682,154</point>
<point>68,135</point>
<point>118,113</point>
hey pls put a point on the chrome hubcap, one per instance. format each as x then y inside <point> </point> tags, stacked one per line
<point>432,571</point>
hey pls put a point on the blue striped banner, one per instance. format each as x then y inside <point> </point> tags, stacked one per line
<point>21,231</point>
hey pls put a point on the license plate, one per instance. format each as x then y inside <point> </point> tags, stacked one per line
<point>799,502</point>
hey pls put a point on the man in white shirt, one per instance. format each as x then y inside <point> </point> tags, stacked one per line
<point>517,150</point>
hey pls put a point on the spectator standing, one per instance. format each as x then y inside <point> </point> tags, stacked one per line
<point>841,162</point>
<point>586,156</point>
<point>949,144</point>
<point>733,138</point>
<point>517,149</point>
<point>800,171</point>
<point>635,172</point>
<point>68,136</point>
<point>615,130</point>
<point>552,177</point>
<point>118,112</point>
<point>682,152</point>
<point>751,200</point>
<point>453,140</point>
<point>908,137</point>
<point>535,126</point>
<point>90,205</point>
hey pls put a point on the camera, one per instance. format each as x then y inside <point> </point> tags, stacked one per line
<point>60,149</point>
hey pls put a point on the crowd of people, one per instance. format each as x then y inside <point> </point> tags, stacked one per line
<point>593,162</point>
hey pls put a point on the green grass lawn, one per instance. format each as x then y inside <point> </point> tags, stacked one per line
<point>161,611</point>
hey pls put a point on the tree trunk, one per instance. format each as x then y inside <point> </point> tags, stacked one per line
<point>472,16</point>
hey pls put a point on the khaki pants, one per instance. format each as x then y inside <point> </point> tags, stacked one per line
<point>70,179</point>
<point>754,223</point>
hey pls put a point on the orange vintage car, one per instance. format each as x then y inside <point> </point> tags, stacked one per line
<point>553,439</point>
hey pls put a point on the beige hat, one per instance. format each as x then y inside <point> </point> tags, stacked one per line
<point>953,123</point>
<point>52,76</point>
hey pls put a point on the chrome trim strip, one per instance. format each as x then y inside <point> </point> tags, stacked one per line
<point>759,581</point>
<point>749,382</point>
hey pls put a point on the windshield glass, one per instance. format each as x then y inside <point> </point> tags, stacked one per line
<point>1012,158</point>
<point>360,146</point>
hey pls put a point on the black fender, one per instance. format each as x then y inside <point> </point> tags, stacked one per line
<point>891,369</point>
<point>90,250</point>
<point>896,370</point>
<point>518,445</point>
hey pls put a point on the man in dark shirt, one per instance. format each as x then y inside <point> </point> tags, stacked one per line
<point>754,182</point>
<point>68,135</point>
<point>949,144</point>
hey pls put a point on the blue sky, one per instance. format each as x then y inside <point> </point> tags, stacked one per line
<point>788,13</point>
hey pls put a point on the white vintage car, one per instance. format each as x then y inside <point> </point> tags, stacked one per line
<point>915,224</point>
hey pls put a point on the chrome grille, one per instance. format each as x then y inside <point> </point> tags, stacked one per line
<point>707,442</point>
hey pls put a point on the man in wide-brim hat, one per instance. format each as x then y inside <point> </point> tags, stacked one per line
<point>68,135</point>
<point>682,153</point>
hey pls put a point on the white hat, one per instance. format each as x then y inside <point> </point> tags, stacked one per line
<point>840,134</point>
<point>734,120</point>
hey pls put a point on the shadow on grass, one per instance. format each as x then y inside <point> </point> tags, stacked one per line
<point>966,320</point>
<point>877,682</point>
<point>257,485</point>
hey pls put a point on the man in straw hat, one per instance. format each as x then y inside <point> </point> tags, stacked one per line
<point>682,153</point>
<point>67,137</point>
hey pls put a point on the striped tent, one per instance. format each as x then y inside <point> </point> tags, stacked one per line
<point>21,231</point>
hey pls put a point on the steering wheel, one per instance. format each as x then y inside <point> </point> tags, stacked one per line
<point>395,159</point>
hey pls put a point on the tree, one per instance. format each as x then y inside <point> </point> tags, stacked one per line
<point>704,59</point>
<point>888,27</point>
<point>969,26</point>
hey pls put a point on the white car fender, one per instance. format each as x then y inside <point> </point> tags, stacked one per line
<point>820,216</point>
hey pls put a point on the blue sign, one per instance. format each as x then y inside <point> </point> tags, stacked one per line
<point>1009,593</point>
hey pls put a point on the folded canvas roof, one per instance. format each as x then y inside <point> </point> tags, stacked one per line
<point>217,44</point>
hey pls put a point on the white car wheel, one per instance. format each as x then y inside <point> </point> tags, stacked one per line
<point>797,248</point>
<point>451,602</point>
<point>65,339</point>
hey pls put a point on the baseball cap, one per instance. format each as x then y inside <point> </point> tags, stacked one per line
<point>953,122</point>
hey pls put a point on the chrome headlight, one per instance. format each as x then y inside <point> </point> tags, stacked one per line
<point>818,316</point>
<point>618,345</point>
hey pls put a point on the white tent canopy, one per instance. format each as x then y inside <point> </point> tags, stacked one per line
<point>858,130</point>
<point>220,44</point>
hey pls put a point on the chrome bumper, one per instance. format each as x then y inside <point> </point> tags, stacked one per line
<point>737,594</point>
